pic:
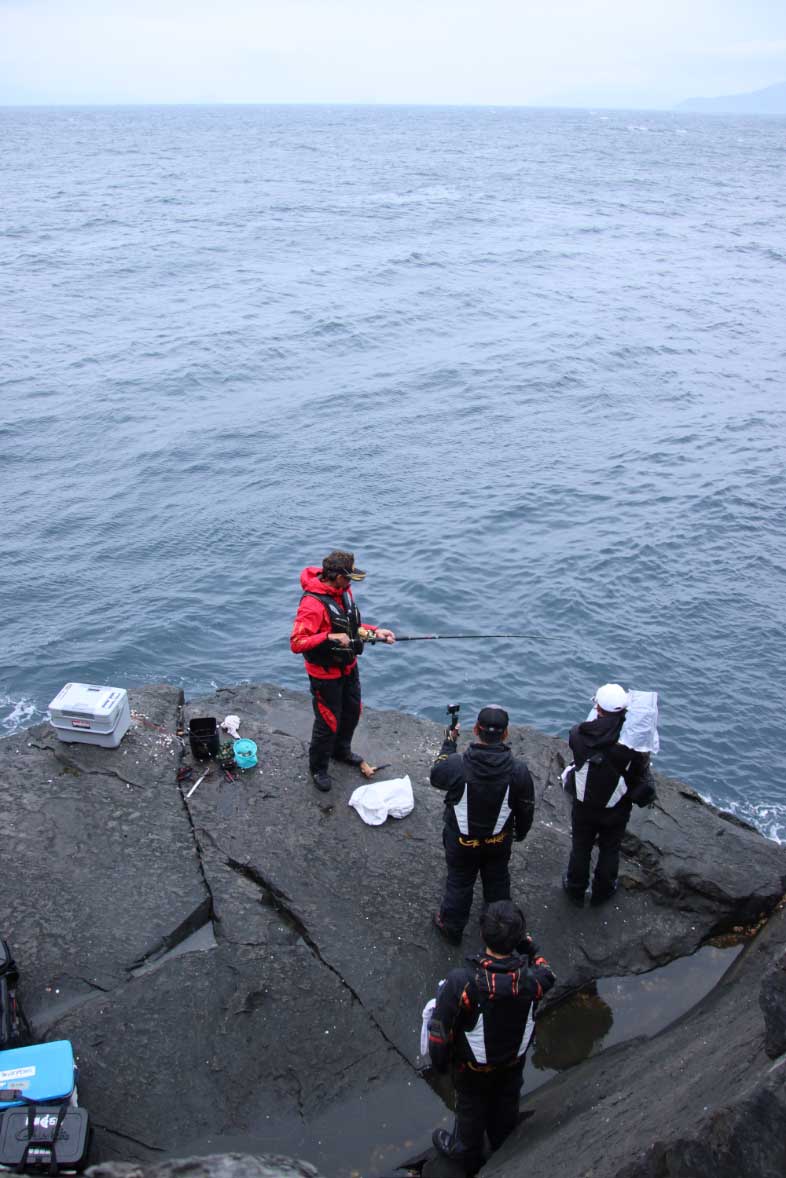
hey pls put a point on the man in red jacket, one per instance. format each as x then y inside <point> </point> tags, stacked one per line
<point>329,634</point>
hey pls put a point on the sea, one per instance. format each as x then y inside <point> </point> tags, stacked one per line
<point>527,364</point>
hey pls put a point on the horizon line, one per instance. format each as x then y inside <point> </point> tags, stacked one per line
<point>369,103</point>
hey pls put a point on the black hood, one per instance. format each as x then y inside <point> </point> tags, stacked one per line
<point>601,732</point>
<point>498,977</point>
<point>489,761</point>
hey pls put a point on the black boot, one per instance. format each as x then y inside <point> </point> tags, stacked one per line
<point>450,1147</point>
<point>452,936</point>
<point>349,758</point>
<point>442,1140</point>
<point>322,779</point>
<point>598,897</point>
<point>576,897</point>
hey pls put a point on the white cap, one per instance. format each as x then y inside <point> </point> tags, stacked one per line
<point>611,697</point>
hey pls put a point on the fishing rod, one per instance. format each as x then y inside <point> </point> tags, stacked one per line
<point>371,637</point>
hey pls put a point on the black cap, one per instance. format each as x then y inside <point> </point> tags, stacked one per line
<point>339,561</point>
<point>492,718</point>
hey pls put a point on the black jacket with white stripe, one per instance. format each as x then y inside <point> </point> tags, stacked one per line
<point>483,1018</point>
<point>487,790</point>
<point>606,772</point>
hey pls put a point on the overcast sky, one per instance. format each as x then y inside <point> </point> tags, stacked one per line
<point>541,52</point>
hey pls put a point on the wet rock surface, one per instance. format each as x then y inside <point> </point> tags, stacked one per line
<point>772,999</point>
<point>213,1166</point>
<point>701,1098</point>
<point>324,949</point>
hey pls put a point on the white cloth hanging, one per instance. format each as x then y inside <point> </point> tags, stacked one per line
<point>428,1010</point>
<point>640,728</point>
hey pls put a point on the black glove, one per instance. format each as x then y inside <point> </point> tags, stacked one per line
<point>643,794</point>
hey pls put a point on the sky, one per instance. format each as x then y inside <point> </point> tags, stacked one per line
<point>628,53</point>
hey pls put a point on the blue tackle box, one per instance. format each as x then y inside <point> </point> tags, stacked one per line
<point>45,1073</point>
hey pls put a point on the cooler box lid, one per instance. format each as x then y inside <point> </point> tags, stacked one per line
<point>88,706</point>
<point>70,1148</point>
<point>43,1072</point>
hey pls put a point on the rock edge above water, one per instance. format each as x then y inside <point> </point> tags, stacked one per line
<point>324,940</point>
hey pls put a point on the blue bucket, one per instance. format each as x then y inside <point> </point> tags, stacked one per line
<point>245,753</point>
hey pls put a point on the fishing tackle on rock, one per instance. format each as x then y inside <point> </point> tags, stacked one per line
<point>225,757</point>
<point>197,783</point>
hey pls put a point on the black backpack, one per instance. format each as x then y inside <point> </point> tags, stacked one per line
<point>14,1031</point>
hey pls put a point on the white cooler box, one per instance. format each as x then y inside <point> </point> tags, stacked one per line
<point>87,714</point>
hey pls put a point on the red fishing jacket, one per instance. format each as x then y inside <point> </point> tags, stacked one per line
<point>313,624</point>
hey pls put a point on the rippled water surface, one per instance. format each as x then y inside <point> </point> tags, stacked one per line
<point>529,364</point>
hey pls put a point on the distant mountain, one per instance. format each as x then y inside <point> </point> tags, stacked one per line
<point>769,101</point>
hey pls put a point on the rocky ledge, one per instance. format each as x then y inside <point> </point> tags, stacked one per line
<point>307,1006</point>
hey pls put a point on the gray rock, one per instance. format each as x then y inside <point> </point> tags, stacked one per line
<point>772,999</point>
<point>233,1165</point>
<point>305,1015</point>
<point>700,1098</point>
<point>104,871</point>
<point>689,872</point>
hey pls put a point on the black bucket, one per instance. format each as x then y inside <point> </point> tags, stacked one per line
<point>203,737</point>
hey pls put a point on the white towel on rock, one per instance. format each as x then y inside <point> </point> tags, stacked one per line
<point>382,799</point>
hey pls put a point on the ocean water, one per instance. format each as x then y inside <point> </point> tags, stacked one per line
<point>528,364</point>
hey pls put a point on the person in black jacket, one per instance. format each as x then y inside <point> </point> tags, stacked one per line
<point>489,800</point>
<point>604,780</point>
<point>480,1029</point>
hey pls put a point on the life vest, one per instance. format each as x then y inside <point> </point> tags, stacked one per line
<point>504,1025</point>
<point>344,620</point>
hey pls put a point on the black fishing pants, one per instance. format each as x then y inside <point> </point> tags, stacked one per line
<point>463,864</point>
<point>337,707</point>
<point>607,827</point>
<point>487,1103</point>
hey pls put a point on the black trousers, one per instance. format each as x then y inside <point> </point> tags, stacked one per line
<point>337,708</point>
<point>464,863</point>
<point>607,827</point>
<point>487,1103</point>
